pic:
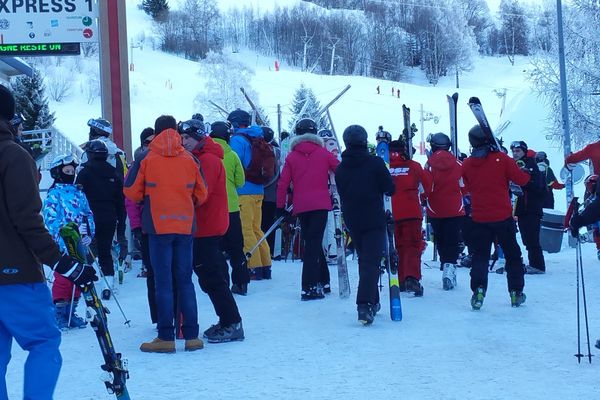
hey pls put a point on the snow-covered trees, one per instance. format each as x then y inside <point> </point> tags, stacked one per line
<point>582,53</point>
<point>306,105</point>
<point>157,9</point>
<point>32,103</point>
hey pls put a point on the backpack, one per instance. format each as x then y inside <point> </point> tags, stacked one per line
<point>261,169</point>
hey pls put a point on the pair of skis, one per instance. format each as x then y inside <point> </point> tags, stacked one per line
<point>114,365</point>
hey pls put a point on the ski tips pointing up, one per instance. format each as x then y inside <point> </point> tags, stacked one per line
<point>474,100</point>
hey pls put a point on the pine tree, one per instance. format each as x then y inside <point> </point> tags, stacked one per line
<point>311,111</point>
<point>32,102</point>
<point>157,9</point>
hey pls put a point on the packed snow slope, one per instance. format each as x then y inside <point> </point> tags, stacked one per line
<point>317,350</point>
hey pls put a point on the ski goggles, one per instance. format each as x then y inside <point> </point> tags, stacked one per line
<point>326,133</point>
<point>17,120</point>
<point>518,144</point>
<point>185,128</point>
<point>148,140</point>
<point>100,124</point>
<point>64,160</point>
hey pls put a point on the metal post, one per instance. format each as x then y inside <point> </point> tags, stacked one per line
<point>279,121</point>
<point>564,95</point>
<point>422,143</point>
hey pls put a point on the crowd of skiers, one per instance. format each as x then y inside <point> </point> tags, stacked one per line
<point>198,193</point>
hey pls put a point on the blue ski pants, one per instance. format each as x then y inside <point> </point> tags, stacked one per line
<point>27,315</point>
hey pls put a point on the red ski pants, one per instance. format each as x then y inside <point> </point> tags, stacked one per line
<point>409,244</point>
<point>62,289</point>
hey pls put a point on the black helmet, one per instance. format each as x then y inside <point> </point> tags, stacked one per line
<point>268,133</point>
<point>99,127</point>
<point>239,118</point>
<point>17,120</point>
<point>198,116</point>
<point>305,125</point>
<point>382,135</point>
<point>221,130</point>
<point>96,150</point>
<point>326,134</point>
<point>519,144</point>
<point>439,141</point>
<point>541,156</point>
<point>355,135</point>
<point>477,137</point>
<point>193,128</point>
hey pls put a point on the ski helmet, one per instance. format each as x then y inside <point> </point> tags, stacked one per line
<point>17,120</point>
<point>193,128</point>
<point>146,133</point>
<point>221,130</point>
<point>383,136</point>
<point>398,148</point>
<point>372,149</point>
<point>479,141</point>
<point>239,118</point>
<point>268,134</point>
<point>439,141</point>
<point>59,162</point>
<point>99,127</point>
<point>541,156</point>
<point>96,150</point>
<point>198,116</point>
<point>519,144</point>
<point>355,135</point>
<point>304,126</point>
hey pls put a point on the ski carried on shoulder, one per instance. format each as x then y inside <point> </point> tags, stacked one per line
<point>477,109</point>
<point>391,256</point>
<point>453,105</point>
<point>114,365</point>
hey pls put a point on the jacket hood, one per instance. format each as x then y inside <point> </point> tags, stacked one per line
<point>252,131</point>
<point>306,143</point>
<point>224,145</point>
<point>355,156</point>
<point>442,160</point>
<point>5,132</point>
<point>167,144</point>
<point>210,147</point>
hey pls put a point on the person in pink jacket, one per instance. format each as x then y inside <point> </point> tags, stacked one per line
<point>307,169</point>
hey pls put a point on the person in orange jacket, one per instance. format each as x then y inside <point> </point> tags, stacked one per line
<point>212,219</point>
<point>167,179</point>
<point>408,177</point>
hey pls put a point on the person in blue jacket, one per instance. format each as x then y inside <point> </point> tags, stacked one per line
<point>250,195</point>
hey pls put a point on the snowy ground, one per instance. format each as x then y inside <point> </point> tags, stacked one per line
<point>312,350</point>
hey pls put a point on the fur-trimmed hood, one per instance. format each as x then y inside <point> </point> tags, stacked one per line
<point>307,138</point>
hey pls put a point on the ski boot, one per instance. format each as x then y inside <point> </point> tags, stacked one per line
<point>76,320</point>
<point>413,285</point>
<point>477,298</point>
<point>376,307</point>
<point>228,333</point>
<point>266,272</point>
<point>61,312</point>
<point>325,287</point>
<point>598,344</point>
<point>365,314</point>
<point>466,261</point>
<point>598,255</point>
<point>256,274</point>
<point>517,298</point>
<point>313,293</point>
<point>529,270</point>
<point>240,288</point>
<point>449,276</point>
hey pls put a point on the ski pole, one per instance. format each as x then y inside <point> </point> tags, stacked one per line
<point>578,355</point>
<point>127,321</point>
<point>71,306</point>
<point>266,234</point>
<point>587,329</point>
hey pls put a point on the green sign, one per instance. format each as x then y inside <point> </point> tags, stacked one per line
<point>40,49</point>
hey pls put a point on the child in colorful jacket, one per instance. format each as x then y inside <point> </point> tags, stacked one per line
<point>66,203</point>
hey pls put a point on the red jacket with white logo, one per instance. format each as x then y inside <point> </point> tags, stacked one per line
<point>487,180</point>
<point>408,177</point>
<point>446,198</point>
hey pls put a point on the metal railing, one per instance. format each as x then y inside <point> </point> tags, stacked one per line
<point>50,143</point>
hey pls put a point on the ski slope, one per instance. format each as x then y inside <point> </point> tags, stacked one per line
<point>316,350</point>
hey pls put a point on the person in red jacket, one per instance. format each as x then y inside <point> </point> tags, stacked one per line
<point>212,221</point>
<point>487,174</point>
<point>408,177</point>
<point>590,152</point>
<point>445,207</point>
<point>307,168</point>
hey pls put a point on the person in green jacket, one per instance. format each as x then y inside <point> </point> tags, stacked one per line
<point>233,241</point>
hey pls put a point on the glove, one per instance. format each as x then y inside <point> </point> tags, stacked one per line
<point>86,240</point>
<point>78,273</point>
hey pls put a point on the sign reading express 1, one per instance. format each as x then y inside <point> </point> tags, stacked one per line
<point>48,21</point>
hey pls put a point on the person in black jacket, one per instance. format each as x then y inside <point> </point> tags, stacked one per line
<point>103,188</point>
<point>529,208</point>
<point>362,181</point>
